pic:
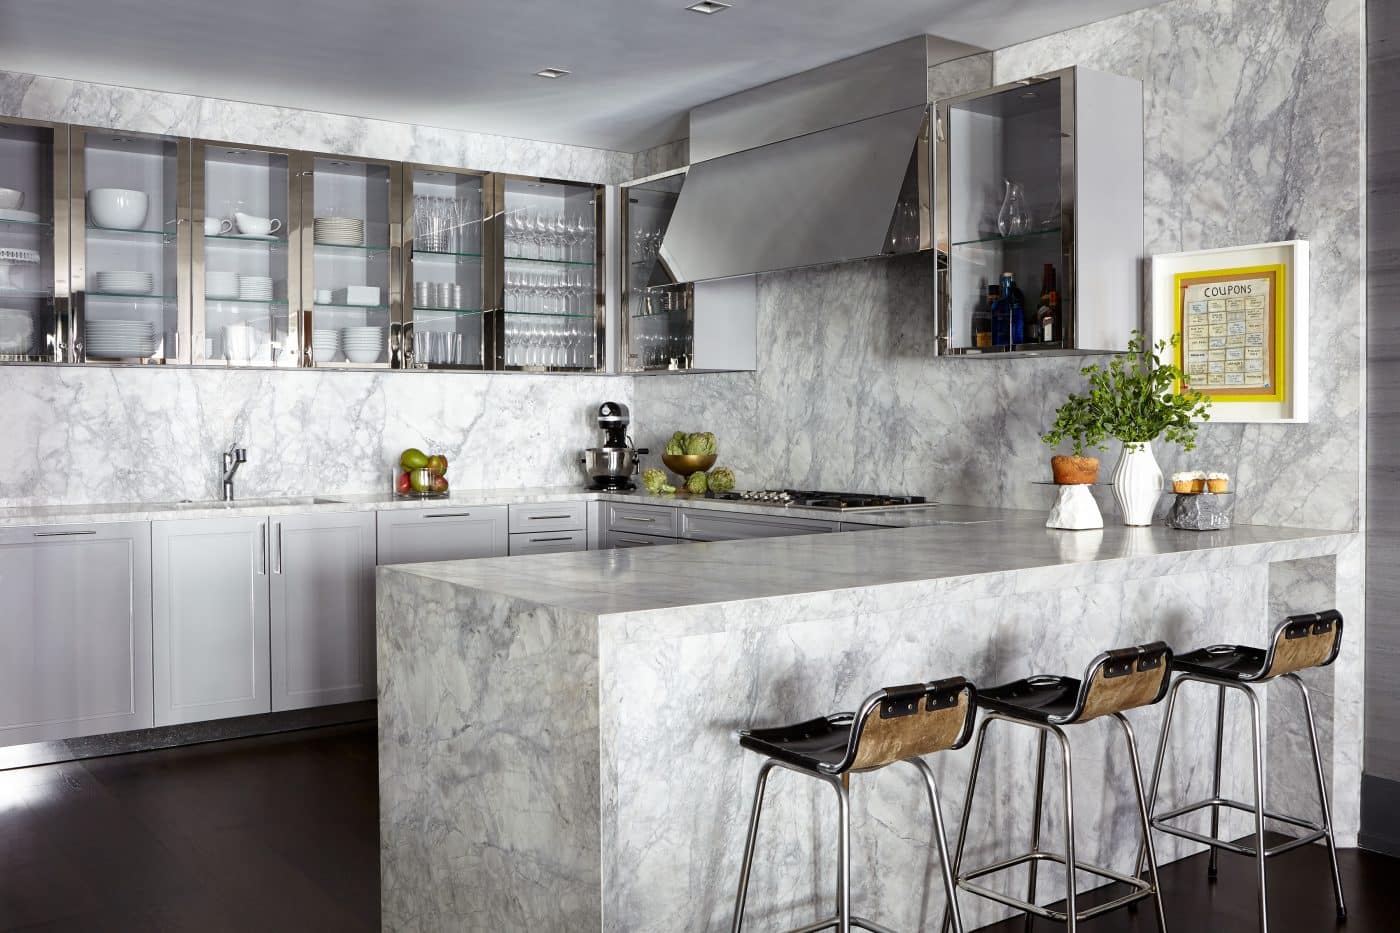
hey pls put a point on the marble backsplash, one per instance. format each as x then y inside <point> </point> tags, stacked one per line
<point>1252,134</point>
<point>77,435</point>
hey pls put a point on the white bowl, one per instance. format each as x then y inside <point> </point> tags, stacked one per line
<point>118,208</point>
<point>10,199</point>
<point>363,356</point>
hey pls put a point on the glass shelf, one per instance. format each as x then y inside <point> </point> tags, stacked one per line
<point>335,307</point>
<point>554,262</point>
<point>273,302</point>
<point>449,310</point>
<point>228,239</point>
<point>116,296</point>
<point>546,314</point>
<point>1050,231</point>
<point>445,254</point>
<point>9,294</point>
<point>353,249</point>
<point>651,314</point>
<point>126,234</point>
<point>27,224</point>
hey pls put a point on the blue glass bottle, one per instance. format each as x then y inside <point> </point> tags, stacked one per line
<point>1001,316</point>
<point>1015,309</point>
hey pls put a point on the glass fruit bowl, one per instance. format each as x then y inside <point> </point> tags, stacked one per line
<point>422,483</point>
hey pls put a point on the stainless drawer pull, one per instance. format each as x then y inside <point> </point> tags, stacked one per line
<point>536,518</point>
<point>636,518</point>
<point>449,515</point>
<point>545,540</point>
<point>62,534</point>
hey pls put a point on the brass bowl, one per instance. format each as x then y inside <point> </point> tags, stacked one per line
<point>686,464</point>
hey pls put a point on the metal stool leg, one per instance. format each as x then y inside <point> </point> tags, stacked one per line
<point>1256,725</point>
<point>1322,795</point>
<point>759,790</point>
<point>843,868</point>
<point>1151,850</point>
<point>1071,910</point>
<point>941,840</point>
<point>967,809</point>
<point>1162,742</point>
<point>1213,869</point>
<point>1035,825</point>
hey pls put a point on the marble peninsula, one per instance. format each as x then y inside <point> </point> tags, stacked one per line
<point>556,742</point>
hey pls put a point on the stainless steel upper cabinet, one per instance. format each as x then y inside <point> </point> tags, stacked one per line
<point>352,276</point>
<point>670,325</point>
<point>449,265</point>
<point>129,259</point>
<point>1042,179</point>
<point>549,296</point>
<point>245,272</point>
<point>34,284</point>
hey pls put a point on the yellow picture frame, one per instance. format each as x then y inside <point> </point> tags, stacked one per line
<point>1278,328</point>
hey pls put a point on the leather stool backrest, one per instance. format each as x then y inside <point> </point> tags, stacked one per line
<point>1122,679</point>
<point>911,720</point>
<point>1303,641</point>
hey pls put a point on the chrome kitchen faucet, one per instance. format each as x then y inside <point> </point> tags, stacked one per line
<point>234,457</point>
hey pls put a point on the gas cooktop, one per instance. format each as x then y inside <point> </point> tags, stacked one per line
<point>812,499</point>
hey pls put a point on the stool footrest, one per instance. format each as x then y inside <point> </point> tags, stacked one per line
<point>1313,834</point>
<point>833,923</point>
<point>1141,889</point>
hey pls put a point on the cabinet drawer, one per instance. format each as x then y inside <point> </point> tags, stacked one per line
<point>623,539</point>
<point>703,525</point>
<point>646,519</point>
<point>548,542</point>
<point>409,536</point>
<point>548,516</point>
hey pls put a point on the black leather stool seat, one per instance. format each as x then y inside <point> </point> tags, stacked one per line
<point>1034,698</point>
<point>1223,662</point>
<point>808,745</point>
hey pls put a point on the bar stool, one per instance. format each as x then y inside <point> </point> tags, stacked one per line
<point>1299,642</point>
<point>894,724</point>
<point>1115,681</point>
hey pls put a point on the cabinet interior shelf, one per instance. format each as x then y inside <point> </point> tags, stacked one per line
<point>117,296</point>
<point>345,247</point>
<point>30,225</point>
<point>1017,238</point>
<point>275,303</point>
<point>449,310</point>
<point>13,294</point>
<point>119,234</point>
<point>445,254</point>
<point>547,314</point>
<point>229,239</point>
<point>554,262</point>
<point>333,307</point>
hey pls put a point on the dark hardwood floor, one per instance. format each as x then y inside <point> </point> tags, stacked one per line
<point>280,834</point>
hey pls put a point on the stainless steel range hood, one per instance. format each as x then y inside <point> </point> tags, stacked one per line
<point>826,166</point>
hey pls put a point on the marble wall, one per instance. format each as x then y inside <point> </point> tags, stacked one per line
<point>73,434</point>
<point>1253,133</point>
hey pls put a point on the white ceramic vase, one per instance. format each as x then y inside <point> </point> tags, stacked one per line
<point>1137,484</point>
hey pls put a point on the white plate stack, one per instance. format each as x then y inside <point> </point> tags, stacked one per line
<point>16,331</point>
<point>120,340</point>
<point>220,284</point>
<point>362,344</point>
<point>125,283</point>
<point>339,231</point>
<point>325,344</point>
<point>255,287</point>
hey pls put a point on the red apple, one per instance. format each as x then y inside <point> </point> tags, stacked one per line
<point>439,483</point>
<point>437,464</point>
<point>403,485</point>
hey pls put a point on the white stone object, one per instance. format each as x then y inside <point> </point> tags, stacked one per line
<point>1075,509</point>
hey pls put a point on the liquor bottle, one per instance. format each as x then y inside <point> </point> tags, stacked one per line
<point>1015,308</point>
<point>1048,313</point>
<point>1001,315</point>
<point>982,318</point>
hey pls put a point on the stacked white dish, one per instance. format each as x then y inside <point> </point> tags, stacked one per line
<point>125,283</point>
<point>339,231</point>
<point>120,340</point>
<point>255,287</point>
<point>220,284</point>
<point>12,256</point>
<point>362,344</point>
<point>325,344</point>
<point>16,331</point>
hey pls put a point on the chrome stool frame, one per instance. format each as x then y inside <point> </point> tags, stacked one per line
<point>1299,642</point>
<point>1116,680</point>
<point>893,725</point>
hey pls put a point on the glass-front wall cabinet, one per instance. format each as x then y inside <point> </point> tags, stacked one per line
<point>551,289</point>
<point>126,270</point>
<point>658,311</point>
<point>244,278</point>
<point>351,236</point>
<point>33,241</point>
<point>446,268</point>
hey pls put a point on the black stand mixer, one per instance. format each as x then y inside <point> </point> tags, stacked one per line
<point>613,465</point>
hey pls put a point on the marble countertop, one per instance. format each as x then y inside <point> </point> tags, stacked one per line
<point>1015,552</point>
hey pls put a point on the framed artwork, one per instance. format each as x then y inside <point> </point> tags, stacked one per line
<point>1240,315</point>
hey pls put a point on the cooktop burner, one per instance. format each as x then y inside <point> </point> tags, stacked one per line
<point>812,499</point>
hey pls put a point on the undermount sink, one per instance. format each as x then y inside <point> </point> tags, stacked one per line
<point>265,502</point>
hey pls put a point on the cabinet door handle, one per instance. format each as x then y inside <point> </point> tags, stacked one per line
<point>279,549</point>
<point>449,515</point>
<point>636,518</point>
<point>262,541</point>
<point>546,540</point>
<point>540,518</point>
<point>63,534</point>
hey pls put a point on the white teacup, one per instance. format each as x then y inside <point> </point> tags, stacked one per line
<point>257,226</point>
<point>215,226</point>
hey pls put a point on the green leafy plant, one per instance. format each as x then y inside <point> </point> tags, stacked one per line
<point>1135,399</point>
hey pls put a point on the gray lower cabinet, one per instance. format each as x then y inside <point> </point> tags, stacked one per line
<point>408,536</point>
<point>625,539</point>
<point>548,542</point>
<point>322,620</point>
<point>210,618</point>
<point>75,631</point>
<point>710,525</point>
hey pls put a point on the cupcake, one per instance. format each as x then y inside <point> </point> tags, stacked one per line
<point>1184,483</point>
<point>1218,482</point>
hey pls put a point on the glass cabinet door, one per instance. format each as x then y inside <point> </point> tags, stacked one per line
<point>1006,162</point>
<point>245,279</point>
<point>658,319</point>
<point>33,241</point>
<point>126,270</point>
<point>446,269</point>
<point>351,236</point>
<point>551,286</point>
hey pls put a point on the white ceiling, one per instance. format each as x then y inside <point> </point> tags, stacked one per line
<point>638,65</point>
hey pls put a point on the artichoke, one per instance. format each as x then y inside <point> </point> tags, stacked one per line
<point>701,444</point>
<point>653,480</point>
<point>698,483</point>
<point>676,445</point>
<point>666,490</point>
<point>721,479</point>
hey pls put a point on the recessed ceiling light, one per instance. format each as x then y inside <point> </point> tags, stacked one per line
<point>709,6</point>
<point>552,73</point>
